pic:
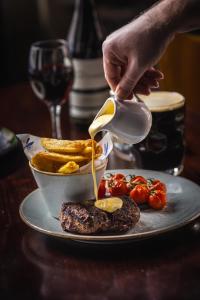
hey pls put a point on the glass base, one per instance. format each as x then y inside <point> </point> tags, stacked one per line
<point>124,151</point>
<point>175,171</point>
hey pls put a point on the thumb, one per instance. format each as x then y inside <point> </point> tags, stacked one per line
<point>128,81</point>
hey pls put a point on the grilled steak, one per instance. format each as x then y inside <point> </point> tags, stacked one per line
<point>85,218</point>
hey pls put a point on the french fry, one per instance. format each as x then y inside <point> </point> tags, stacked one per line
<point>69,168</point>
<point>62,146</point>
<point>98,150</point>
<point>88,143</point>
<point>73,154</point>
<point>87,151</point>
<point>62,158</point>
<point>42,164</point>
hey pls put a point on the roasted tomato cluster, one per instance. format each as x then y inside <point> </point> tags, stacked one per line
<point>141,190</point>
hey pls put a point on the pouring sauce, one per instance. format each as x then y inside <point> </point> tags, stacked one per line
<point>113,203</point>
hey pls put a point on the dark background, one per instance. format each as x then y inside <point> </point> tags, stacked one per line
<point>25,21</point>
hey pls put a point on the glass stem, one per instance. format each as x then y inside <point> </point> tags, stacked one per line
<point>55,113</point>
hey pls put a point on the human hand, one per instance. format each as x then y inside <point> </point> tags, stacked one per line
<point>129,55</point>
<point>149,80</point>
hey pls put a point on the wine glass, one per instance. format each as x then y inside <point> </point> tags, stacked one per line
<point>51,77</point>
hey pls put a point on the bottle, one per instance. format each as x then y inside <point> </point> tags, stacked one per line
<point>12,155</point>
<point>90,89</point>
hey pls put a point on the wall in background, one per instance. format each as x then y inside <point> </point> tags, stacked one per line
<point>181,66</point>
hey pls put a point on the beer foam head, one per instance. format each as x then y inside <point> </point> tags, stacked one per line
<point>163,101</point>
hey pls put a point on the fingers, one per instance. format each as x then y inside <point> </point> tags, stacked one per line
<point>154,73</point>
<point>112,73</point>
<point>111,65</point>
<point>126,77</point>
<point>142,89</point>
<point>145,85</point>
<point>128,81</point>
<point>149,80</point>
<point>127,86</point>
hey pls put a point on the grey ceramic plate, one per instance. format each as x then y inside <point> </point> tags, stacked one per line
<point>183,206</point>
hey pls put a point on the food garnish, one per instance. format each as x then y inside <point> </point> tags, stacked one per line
<point>140,194</point>
<point>118,187</point>
<point>102,189</point>
<point>150,191</point>
<point>157,199</point>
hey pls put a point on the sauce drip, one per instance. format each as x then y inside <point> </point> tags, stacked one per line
<point>95,127</point>
<point>113,203</point>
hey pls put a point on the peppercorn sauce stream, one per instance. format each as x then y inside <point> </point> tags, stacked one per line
<point>112,203</point>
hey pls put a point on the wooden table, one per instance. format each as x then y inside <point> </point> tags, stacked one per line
<point>34,266</point>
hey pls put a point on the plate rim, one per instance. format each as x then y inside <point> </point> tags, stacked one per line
<point>108,238</point>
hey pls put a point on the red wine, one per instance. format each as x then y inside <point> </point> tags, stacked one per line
<point>85,39</point>
<point>51,83</point>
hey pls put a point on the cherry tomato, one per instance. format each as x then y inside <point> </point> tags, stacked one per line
<point>118,188</point>
<point>118,177</point>
<point>140,194</point>
<point>157,199</point>
<point>113,177</point>
<point>138,180</point>
<point>157,185</point>
<point>102,189</point>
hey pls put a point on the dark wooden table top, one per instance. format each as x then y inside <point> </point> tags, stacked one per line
<point>35,266</point>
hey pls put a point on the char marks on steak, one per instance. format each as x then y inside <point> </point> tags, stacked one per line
<point>85,218</point>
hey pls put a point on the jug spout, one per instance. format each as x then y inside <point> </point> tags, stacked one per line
<point>109,107</point>
<point>103,117</point>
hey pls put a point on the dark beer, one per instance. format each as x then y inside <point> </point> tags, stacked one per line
<point>163,148</point>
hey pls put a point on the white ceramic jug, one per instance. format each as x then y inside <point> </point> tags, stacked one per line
<point>130,122</point>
